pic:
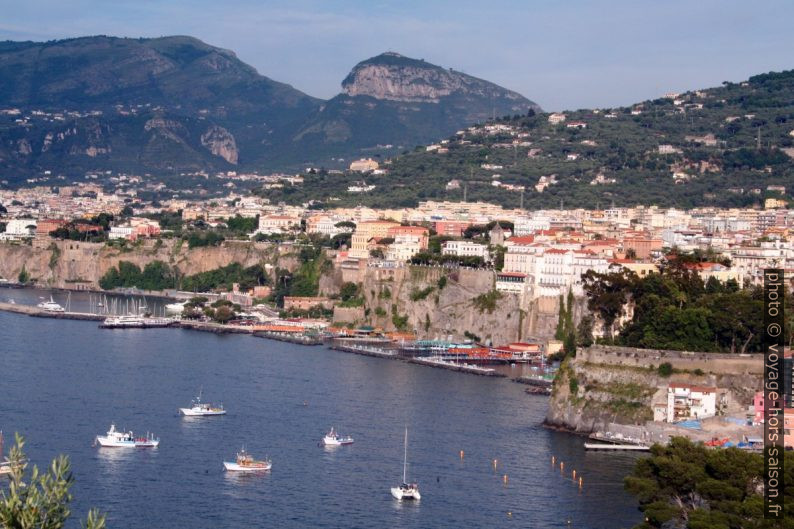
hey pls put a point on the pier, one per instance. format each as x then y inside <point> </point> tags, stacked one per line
<point>36,312</point>
<point>452,366</point>
<point>614,447</point>
<point>300,339</point>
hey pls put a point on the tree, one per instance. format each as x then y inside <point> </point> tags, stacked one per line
<point>39,500</point>
<point>24,276</point>
<point>607,294</point>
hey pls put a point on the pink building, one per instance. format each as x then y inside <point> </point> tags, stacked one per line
<point>758,408</point>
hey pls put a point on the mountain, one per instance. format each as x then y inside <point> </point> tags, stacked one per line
<point>403,102</point>
<point>727,146</point>
<point>166,104</point>
<point>175,104</point>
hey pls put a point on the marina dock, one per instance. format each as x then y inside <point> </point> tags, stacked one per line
<point>453,366</point>
<point>610,446</point>
<point>299,339</point>
<point>36,312</point>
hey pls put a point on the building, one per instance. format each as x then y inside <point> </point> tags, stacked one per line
<point>364,165</point>
<point>368,230</point>
<point>277,223</point>
<point>685,402</point>
<point>512,282</point>
<point>556,117</point>
<point>306,302</point>
<point>325,225</point>
<point>18,229</point>
<point>451,228</point>
<point>45,226</point>
<point>466,249</point>
<point>408,241</point>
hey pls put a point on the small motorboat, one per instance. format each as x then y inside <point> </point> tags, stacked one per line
<point>333,438</point>
<point>116,439</point>
<point>202,409</point>
<point>246,463</point>
<point>406,491</point>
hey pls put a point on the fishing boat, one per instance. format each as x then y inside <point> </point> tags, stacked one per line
<point>246,463</point>
<point>116,439</point>
<point>50,306</point>
<point>333,438</point>
<point>202,409</point>
<point>406,491</point>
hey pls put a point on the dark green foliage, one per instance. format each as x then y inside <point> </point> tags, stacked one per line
<point>156,275</point>
<point>39,499</point>
<point>471,336</point>
<point>210,238</point>
<point>487,302</point>
<point>688,485</point>
<point>225,276</point>
<point>442,282</point>
<point>676,310</point>
<point>24,276</point>
<point>417,295</point>
<point>665,369</point>
<point>242,225</point>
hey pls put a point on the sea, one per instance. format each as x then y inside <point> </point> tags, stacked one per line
<point>476,445</point>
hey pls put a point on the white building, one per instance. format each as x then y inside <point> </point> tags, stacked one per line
<point>685,401</point>
<point>120,232</point>
<point>17,229</point>
<point>529,225</point>
<point>277,223</point>
<point>556,117</point>
<point>466,249</point>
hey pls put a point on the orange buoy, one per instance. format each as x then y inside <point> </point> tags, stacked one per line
<point>562,465</point>
<point>461,454</point>
<point>574,475</point>
<point>504,478</point>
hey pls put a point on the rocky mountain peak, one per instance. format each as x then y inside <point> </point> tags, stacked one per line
<point>392,76</point>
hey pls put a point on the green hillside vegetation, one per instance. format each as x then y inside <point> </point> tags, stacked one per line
<point>687,485</point>
<point>158,275</point>
<point>734,169</point>
<point>676,310</point>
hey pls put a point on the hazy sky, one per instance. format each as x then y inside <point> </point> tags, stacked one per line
<point>561,54</point>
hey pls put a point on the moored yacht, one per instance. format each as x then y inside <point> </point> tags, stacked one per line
<point>406,491</point>
<point>116,439</point>
<point>333,438</point>
<point>246,463</point>
<point>50,306</point>
<point>202,409</point>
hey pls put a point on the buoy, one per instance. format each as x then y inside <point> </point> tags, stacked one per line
<point>509,514</point>
<point>504,478</point>
<point>553,460</point>
<point>461,454</point>
<point>562,465</point>
<point>494,463</point>
<point>580,483</point>
<point>574,475</point>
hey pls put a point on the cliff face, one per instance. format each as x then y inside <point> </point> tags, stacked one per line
<point>68,264</point>
<point>394,77</point>
<point>588,395</point>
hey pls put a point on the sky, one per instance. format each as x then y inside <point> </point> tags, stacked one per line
<point>561,54</point>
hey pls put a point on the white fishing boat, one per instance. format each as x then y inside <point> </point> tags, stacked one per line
<point>50,306</point>
<point>116,439</point>
<point>333,438</point>
<point>202,409</point>
<point>246,463</point>
<point>406,491</point>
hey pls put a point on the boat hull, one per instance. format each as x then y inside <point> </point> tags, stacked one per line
<point>234,467</point>
<point>188,412</point>
<point>112,443</point>
<point>337,442</point>
<point>402,494</point>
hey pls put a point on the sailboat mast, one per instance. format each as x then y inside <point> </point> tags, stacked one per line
<point>405,456</point>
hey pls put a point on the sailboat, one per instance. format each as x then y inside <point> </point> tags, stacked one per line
<point>406,491</point>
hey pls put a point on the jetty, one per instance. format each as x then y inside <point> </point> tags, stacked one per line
<point>365,350</point>
<point>454,366</point>
<point>615,447</point>
<point>300,339</point>
<point>36,312</point>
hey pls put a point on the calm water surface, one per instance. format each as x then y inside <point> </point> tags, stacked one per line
<point>64,382</point>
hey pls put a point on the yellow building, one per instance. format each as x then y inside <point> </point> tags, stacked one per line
<point>368,230</point>
<point>364,165</point>
<point>774,203</point>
